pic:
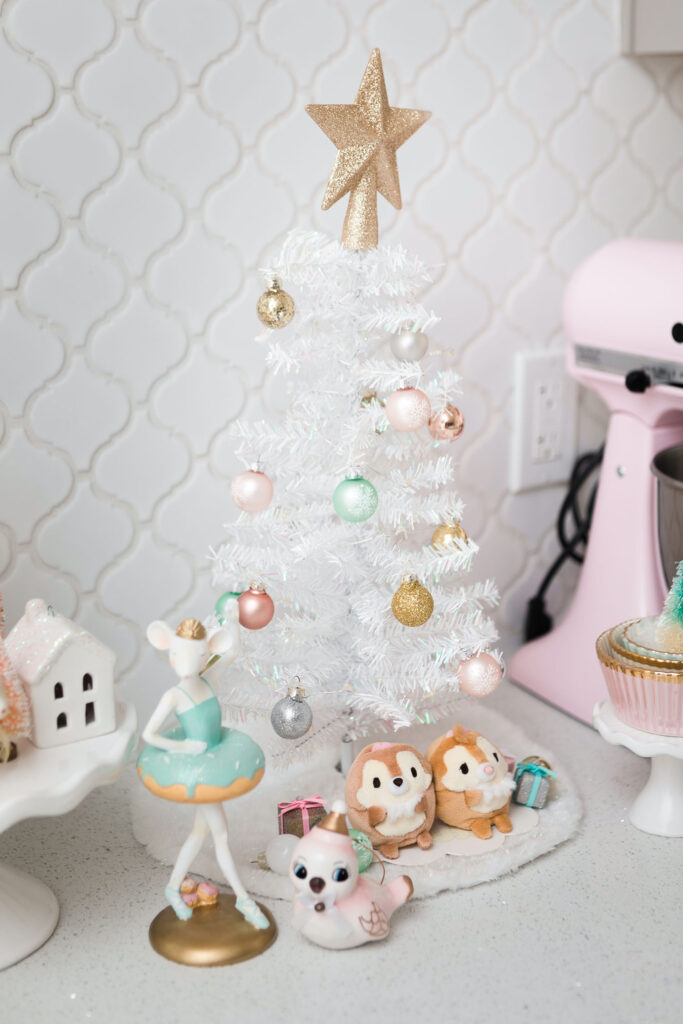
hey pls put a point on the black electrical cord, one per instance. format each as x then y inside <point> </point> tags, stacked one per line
<point>538,621</point>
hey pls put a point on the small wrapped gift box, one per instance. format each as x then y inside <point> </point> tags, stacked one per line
<point>297,817</point>
<point>533,776</point>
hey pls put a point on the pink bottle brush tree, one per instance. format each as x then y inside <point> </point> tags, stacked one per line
<point>15,710</point>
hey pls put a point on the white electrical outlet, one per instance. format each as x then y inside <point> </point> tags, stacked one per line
<point>544,431</point>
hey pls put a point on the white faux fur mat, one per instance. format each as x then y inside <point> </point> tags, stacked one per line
<point>162,826</point>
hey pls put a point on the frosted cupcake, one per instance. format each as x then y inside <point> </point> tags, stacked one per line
<point>642,662</point>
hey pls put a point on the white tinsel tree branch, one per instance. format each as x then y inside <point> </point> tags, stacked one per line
<point>332,581</point>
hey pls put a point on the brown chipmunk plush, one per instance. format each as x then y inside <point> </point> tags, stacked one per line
<point>390,797</point>
<point>471,781</point>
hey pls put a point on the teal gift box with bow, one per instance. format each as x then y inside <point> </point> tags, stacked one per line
<point>533,776</point>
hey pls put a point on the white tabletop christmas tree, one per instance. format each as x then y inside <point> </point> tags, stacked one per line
<point>351,525</point>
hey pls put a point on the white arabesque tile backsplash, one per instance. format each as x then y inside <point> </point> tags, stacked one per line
<point>155,154</point>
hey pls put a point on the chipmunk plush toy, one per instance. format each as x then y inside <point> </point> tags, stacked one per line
<point>471,781</point>
<point>390,797</point>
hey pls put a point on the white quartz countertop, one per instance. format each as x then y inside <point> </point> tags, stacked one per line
<point>589,933</point>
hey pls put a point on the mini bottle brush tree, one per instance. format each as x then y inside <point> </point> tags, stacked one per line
<point>670,623</point>
<point>332,570</point>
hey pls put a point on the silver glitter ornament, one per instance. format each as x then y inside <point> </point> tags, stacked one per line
<point>292,716</point>
<point>409,345</point>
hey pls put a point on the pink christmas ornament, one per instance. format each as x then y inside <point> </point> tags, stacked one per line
<point>480,675</point>
<point>408,409</point>
<point>256,607</point>
<point>448,424</point>
<point>251,490</point>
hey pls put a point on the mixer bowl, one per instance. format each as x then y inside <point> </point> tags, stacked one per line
<point>667,467</point>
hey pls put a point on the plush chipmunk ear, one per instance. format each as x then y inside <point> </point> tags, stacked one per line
<point>462,736</point>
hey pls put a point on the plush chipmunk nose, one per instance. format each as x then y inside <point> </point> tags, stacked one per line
<point>317,884</point>
<point>398,781</point>
<point>486,770</point>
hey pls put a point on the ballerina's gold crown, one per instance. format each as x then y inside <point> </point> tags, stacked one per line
<point>191,629</point>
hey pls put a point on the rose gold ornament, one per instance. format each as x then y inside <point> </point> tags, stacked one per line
<point>408,409</point>
<point>479,675</point>
<point>251,490</point>
<point>447,425</point>
<point>256,607</point>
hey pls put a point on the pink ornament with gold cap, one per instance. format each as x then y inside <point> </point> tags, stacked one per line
<point>256,607</point>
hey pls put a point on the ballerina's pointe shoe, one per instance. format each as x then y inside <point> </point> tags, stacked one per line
<point>251,913</point>
<point>176,900</point>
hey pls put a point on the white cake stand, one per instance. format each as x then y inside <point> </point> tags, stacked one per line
<point>44,782</point>
<point>658,809</point>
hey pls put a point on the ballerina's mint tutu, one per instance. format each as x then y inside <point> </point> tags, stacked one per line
<point>232,763</point>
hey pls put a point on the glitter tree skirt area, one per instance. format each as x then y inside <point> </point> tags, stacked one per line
<point>456,860</point>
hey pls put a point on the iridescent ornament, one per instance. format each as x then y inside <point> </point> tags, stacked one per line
<point>221,603</point>
<point>408,409</point>
<point>292,716</point>
<point>256,607</point>
<point>447,425</point>
<point>275,307</point>
<point>446,535</point>
<point>279,853</point>
<point>479,675</point>
<point>412,604</point>
<point>252,490</point>
<point>409,345</point>
<point>355,499</point>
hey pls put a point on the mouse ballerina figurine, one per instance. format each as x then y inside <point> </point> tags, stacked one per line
<point>200,762</point>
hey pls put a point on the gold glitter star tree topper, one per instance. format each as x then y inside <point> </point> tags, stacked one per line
<point>367,134</point>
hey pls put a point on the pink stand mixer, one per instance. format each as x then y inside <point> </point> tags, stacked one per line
<point>623,318</point>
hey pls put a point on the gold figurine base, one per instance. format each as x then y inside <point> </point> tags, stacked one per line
<point>213,937</point>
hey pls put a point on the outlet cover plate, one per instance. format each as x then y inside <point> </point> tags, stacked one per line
<point>544,430</point>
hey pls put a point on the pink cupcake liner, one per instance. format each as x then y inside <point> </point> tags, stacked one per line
<point>643,698</point>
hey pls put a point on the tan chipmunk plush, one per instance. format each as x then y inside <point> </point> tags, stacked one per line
<point>471,782</point>
<point>390,797</point>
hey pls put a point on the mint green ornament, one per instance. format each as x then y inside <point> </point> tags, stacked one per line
<point>219,607</point>
<point>355,499</point>
<point>363,848</point>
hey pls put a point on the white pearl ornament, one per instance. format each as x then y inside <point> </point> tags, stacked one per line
<point>409,345</point>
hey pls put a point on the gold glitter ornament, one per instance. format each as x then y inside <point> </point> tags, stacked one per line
<point>444,536</point>
<point>367,134</point>
<point>412,604</point>
<point>275,307</point>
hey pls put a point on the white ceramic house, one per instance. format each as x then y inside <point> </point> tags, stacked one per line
<point>68,675</point>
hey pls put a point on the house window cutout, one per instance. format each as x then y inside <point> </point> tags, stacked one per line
<point>90,712</point>
<point>61,719</point>
<point>87,681</point>
<point>59,691</point>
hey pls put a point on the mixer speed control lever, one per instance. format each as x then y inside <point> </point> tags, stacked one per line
<point>638,381</point>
